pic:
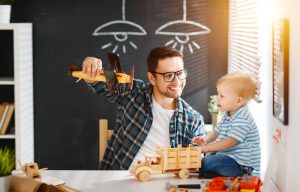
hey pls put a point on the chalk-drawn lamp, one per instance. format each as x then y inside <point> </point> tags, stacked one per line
<point>193,28</point>
<point>120,29</point>
<point>182,30</point>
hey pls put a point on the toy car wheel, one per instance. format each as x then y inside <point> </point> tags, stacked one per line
<point>184,173</point>
<point>144,176</point>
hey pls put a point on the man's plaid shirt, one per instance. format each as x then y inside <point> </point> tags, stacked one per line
<point>134,120</point>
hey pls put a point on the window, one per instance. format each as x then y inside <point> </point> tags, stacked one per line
<point>244,38</point>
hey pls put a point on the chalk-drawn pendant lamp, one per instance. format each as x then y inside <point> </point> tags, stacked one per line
<point>182,37</point>
<point>120,29</point>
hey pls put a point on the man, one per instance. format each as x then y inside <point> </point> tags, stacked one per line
<point>149,115</point>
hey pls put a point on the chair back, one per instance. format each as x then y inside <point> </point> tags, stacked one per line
<point>104,136</point>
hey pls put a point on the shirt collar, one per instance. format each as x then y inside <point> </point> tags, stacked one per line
<point>179,105</point>
<point>241,110</point>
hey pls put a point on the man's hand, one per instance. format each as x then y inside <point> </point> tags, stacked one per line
<point>199,140</point>
<point>92,66</point>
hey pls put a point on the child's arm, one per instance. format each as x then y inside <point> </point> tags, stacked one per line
<point>207,139</point>
<point>221,145</point>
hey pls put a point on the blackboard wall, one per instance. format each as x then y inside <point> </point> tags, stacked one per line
<point>66,113</point>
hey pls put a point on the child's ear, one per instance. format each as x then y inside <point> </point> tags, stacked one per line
<point>240,101</point>
<point>151,78</point>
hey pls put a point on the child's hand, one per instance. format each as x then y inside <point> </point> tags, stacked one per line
<point>199,140</point>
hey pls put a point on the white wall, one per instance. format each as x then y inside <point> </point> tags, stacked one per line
<point>293,130</point>
<point>283,166</point>
<point>262,112</point>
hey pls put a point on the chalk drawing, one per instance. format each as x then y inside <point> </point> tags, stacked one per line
<point>182,38</point>
<point>122,35</point>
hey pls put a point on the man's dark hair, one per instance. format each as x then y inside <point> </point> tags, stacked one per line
<point>159,53</point>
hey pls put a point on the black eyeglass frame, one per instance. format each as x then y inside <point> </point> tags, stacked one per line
<point>174,73</point>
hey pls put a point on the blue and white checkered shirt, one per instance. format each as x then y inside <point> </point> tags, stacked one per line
<point>241,126</point>
<point>134,120</point>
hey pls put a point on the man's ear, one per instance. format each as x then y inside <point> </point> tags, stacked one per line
<point>151,78</point>
<point>240,101</point>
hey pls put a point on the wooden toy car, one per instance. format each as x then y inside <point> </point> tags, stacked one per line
<point>180,161</point>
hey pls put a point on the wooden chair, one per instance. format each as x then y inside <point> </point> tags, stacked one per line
<point>104,136</point>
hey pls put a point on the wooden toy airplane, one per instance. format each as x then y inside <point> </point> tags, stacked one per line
<point>113,75</point>
<point>31,170</point>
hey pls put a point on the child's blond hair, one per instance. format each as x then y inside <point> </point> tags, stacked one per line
<point>243,83</point>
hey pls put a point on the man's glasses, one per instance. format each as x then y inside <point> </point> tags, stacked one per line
<point>170,76</point>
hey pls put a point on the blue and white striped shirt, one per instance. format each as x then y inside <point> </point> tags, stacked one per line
<point>241,127</point>
<point>134,120</point>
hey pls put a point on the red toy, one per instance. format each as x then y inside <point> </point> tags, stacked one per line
<point>223,184</point>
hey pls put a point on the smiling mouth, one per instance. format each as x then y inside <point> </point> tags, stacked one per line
<point>174,88</point>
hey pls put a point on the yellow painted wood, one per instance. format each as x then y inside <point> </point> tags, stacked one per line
<point>121,77</point>
<point>104,136</point>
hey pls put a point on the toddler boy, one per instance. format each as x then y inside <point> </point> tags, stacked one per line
<point>235,140</point>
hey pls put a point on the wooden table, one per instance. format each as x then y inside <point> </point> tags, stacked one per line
<point>121,181</point>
